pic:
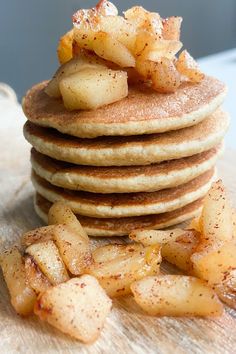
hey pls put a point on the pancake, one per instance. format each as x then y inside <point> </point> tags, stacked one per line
<point>144,111</point>
<point>123,226</point>
<point>129,204</point>
<point>124,179</point>
<point>126,151</point>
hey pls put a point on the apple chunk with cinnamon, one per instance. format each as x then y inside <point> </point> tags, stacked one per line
<point>93,88</point>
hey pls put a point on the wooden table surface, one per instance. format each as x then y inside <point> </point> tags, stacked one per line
<point>127,329</point>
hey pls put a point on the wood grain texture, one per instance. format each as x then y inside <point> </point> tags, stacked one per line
<point>127,329</point>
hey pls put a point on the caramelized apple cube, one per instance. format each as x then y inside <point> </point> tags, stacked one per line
<point>165,77</point>
<point>171,28</point>
<point>64,49</point>
<point>92,88</point>
<point>187,66</point>
<point>108,47</point>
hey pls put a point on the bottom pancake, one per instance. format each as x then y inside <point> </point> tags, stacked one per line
<point>123,226</point>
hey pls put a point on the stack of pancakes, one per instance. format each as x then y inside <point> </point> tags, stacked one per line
<point>143,162</point>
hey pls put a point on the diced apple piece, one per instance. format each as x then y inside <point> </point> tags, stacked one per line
<point>151,47</point>
<point>153,23</point>
<point>86,24</point>
<point>60,213</point>
<point>117,272</point>
<point>71,243</point>
<point>226,290</point>
<point>163,74</point>
<point>40,234</point>
<point>84,38</point>
<point>86,19</point>
<point>163,48</point>
<point>78,307</point>
<point>74,250</point>
<point>152,237</point>
<point>187,66</point>
<point>165,77</point>
<point>120,29</point>
<point>108,47</point>
<point>144,68</point>
<point>136,15</point>
<point>145,20</point>
<point>171,28</point>
<point>48,259</point>
<point>176,295</point>
<point>179,251</point>
<point>216,263</point>
<point>106,8</point>
<point>13,268</point>
<point>74,65</point>
<point>109,252</point>
<point>93,88</point>
<point>211,262</point>
<point>35,278</point>
<point>217,223</point>
<point>64,49</point>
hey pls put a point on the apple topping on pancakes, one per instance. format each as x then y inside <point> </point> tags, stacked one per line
<point>104,52</point>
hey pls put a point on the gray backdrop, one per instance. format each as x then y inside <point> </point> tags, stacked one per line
<point>29,31</point>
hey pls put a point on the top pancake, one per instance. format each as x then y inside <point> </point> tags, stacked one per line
<point>144,111</point>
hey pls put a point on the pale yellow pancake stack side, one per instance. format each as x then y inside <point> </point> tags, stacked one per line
<point>146,161</point>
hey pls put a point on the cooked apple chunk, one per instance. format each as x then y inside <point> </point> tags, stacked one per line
<point>187,66</point>
<point>13,268</point>
<point>216,218</point>
<point>151,47</point>
<point>216,263</point>
<point>75,65</point>
<point>163,48</point>
<point>118,266</point>
<point>165,77</point>
<point>152,237</point>
<point>93,88</point>
<point>213,261</point>
<point>88,22</point>
<point>226,290</point>
<point>136,15</point>
<point>60,213</point>
<point>74,250</point>
<point>47,257</point>
<point>176,295</point>
<point>177,245</point>
<point>35,278</point>
<point>106,8</point>
<point>64,49</point>
<point>84,38</point>
<point>40,234</point>
<point>109,252</point>
<point>108,47</point>
<point>163,74</point>
<point>171,28</point>
<point>119,28</point>
<point>73,246</point>
<point>179,251</point>
<point>144,20</point>
<point>78,307</point>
